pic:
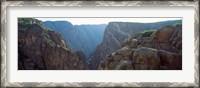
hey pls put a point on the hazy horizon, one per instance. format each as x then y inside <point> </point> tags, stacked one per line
<point>93,21</point>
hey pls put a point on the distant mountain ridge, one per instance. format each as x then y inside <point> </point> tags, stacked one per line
<point>77,35</point>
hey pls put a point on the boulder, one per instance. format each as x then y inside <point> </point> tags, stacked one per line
<point>146,59</point>
<point>164,34</point>
<point>111,62</point>
<point>117,57</point>
<point>171,61</point>
<point>124,65</point>
<point>124,51</point>
<point>112,65</point>
<point>126,42</point>
<point>133,43</point>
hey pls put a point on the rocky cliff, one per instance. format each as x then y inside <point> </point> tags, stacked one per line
<point>116,32</point>
<point>162,50</point>
<point>43,49</point>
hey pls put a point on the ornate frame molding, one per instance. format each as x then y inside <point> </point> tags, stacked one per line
<point>97,3</point>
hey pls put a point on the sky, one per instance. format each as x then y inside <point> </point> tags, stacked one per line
<point>81,21</point>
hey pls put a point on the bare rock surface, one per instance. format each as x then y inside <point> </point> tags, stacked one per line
<point>161,51</point>
<point>117,32</point>
<point>42,49</point>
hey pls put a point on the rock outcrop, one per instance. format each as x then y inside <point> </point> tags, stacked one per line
<point>43,49</point>
<point>116,33</point>
<point>161,51</point>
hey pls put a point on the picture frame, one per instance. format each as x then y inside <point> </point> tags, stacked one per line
<point>4,45</point>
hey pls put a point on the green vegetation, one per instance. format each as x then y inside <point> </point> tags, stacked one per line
<point>47,38</point>
<point>176,24</point>
<point>31,21</point>
<point>25,20</point>
<point>147,33</point>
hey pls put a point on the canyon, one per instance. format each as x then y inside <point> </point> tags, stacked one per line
<point>84,38</point>
<point>60,45</point>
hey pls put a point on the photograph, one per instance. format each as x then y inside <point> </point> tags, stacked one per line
<point>99,43</point>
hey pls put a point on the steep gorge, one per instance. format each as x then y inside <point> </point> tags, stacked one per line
<point>84,38</point>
